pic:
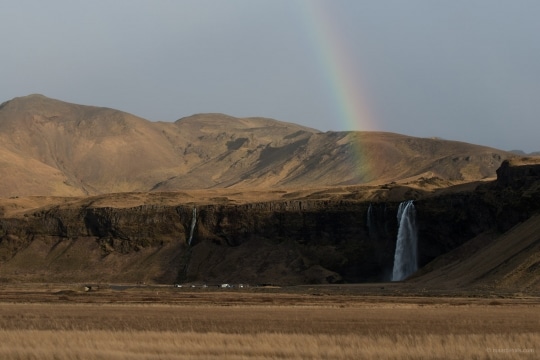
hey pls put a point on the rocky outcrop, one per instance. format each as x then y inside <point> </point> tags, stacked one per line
<point>448,221</point>
<point>515,175</point>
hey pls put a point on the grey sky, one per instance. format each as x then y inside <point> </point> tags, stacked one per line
<point>465,70</point>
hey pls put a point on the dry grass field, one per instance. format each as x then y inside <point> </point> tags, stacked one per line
<point>167,323</point>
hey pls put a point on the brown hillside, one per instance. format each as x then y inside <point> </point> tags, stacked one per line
<point>49,147</point>
<point>303,236</point>
<point>508,261</point>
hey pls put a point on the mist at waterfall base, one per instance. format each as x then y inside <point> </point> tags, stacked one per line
<point>406,255</point>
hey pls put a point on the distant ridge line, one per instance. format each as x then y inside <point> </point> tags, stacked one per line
<point>55,148</point>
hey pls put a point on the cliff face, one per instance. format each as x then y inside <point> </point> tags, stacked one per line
<point>273,242</point>
<point>448,221</point>
<point>280,242</point>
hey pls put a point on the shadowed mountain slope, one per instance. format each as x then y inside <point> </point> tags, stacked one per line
<point>50,147</point>
<point>505,255</point>
<point>508,261</point>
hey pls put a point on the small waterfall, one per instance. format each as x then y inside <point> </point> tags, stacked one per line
<point>371,224</point>
<point>192,228</point>
<point>406,256</point>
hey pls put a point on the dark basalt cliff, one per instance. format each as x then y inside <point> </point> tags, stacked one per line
<point>273,242</point>
<point>286,242</point>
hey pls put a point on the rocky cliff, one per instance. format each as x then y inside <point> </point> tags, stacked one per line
<point>278,242</point>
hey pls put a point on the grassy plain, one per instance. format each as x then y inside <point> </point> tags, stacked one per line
<point>167,323</point>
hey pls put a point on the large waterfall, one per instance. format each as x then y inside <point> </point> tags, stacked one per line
<point>192,228</point>
<point>406,256</point>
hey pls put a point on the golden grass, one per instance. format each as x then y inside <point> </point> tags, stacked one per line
<point>104,344</point>
<point>360,329</point>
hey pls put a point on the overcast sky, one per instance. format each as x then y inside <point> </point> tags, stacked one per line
<point>465,70</point>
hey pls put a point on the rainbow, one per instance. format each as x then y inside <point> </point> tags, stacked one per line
<point>341,73</point>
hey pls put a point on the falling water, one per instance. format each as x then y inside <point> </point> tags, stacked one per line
<point>405,258</point>
<point>192,228</point>
<point>371,225</point>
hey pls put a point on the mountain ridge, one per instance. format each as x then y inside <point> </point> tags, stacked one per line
<point>57,148</point>
<point>275,202</point>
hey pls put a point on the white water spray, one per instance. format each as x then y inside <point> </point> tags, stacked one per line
<point>406,256</point>
<point>192,228</point>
